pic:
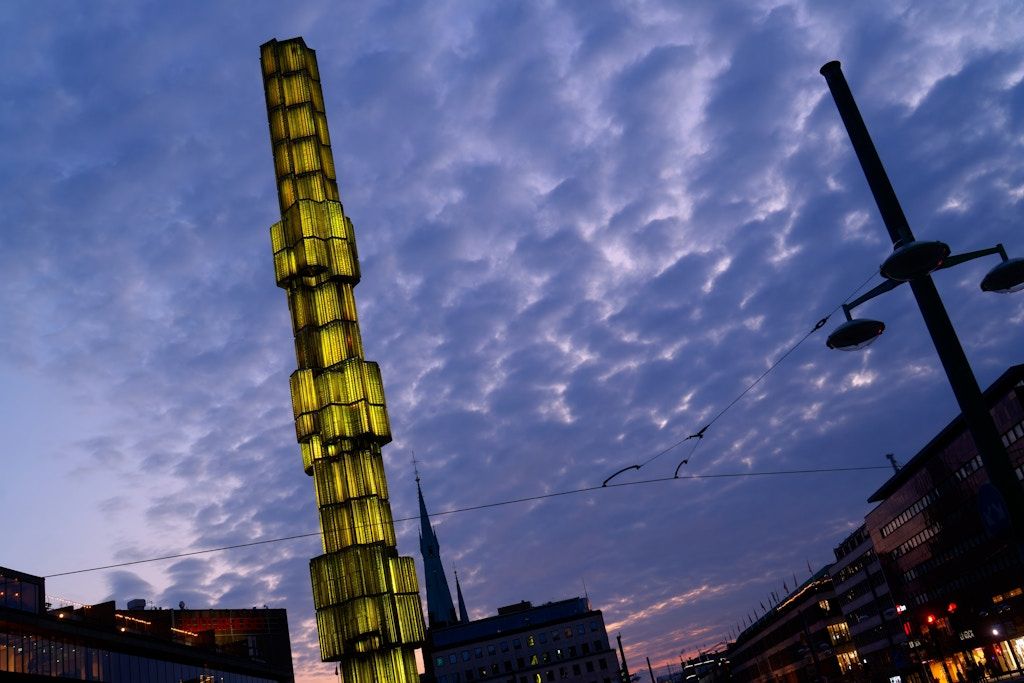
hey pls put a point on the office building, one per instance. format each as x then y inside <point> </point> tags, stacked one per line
<point>101,643</point>
<point>877,644</point>
<point>802,638</point>
<point>945,548</point>
<point>557,641</point>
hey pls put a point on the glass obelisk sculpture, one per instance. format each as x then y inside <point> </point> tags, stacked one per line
<point>366,596</point>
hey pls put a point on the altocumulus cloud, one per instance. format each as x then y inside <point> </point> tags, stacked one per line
<point>584,226</point>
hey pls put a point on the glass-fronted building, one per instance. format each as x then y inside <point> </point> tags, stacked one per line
<point>100,643</point>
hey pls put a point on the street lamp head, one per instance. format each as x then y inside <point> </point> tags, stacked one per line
<point>855,334</point>
<point>1006,277</point>
<point>913,260</point>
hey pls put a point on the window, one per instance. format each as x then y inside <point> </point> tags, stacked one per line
<point>465,655</point>
<point>479,652</point>
<point>581,629</point>
<point>555,636</point>
<point>847,661</point>
<point>597,646</point>
<point>519,662</point>
<point>533,660</point>
<point>543,637</point>
<point>838,633</point>
<point>439,661</point>
<point>576,670</point>
<point>452,658</point>
<point>568,633</point>
<point>517,644</point>
<point>586,648</point>
<point>593,626</point>
<point>530,642</point>
<point>504,646</point>
<point>590,666</point>
<point>602,663</point>
<point>491,649</point>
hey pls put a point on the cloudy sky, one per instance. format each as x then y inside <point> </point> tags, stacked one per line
<point>585,228</point>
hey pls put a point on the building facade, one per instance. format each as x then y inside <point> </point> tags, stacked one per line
<point>956,576</point>
<point>101,643</point>
<point>877,644</point>
<point>557,641</point>
<point>801,639</point>
<point>366,596</point>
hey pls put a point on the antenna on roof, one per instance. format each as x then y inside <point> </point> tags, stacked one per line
<point>892,461</point>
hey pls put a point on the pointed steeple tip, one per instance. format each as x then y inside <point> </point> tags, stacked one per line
<point>463,614</point>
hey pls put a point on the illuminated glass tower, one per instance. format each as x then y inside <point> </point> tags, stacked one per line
<point>366,596</point>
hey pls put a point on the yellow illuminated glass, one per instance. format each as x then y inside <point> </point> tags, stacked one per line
<point>366,596</point>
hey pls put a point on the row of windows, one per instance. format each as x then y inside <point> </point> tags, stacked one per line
<point>916,540</point>
<point>484,672</point>
<point>531,641</point>
<point>31,654</point>
<point>535,659</point>
<point>18,594</point>
<point>973,578</point>
<point>969,468</point>
<point>1015,432</point>
<point>954,552</point>
<point>861,588</point>
<point>902,518</point>
<point>852,569</point>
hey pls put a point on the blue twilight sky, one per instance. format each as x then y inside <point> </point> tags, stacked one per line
<point>585,227</point>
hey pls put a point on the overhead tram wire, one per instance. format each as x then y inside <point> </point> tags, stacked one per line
<point>699,435</point>
<point>472,508</point>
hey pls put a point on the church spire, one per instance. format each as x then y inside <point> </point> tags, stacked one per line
<point>440,610</point>
<point>463,615</point>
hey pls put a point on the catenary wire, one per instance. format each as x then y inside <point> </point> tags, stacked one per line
<point>482,506</point>
<point>699,435</point>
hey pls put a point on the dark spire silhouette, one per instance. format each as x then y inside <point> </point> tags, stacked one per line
<point>463,615</point>
<point>440,609</point>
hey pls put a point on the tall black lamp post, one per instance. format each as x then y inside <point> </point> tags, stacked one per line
<point>913,261</point>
